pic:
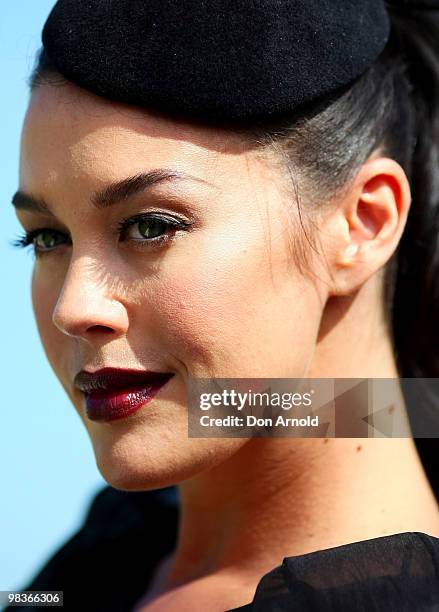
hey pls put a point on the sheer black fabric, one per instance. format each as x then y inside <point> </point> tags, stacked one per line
<point>397,572</point>
<point>107,564</point>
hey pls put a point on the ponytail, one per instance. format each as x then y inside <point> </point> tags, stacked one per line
<point>415,39</point>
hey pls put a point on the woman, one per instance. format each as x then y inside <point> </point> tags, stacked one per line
<point>244,190</point>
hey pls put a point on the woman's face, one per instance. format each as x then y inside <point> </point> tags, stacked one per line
<point>220,297</point>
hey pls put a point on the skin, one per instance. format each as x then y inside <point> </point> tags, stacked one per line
<point>222,299</point>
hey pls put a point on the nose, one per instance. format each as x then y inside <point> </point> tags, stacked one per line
<point>85,307</point>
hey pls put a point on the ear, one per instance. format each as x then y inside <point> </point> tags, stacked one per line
<point>368,223</point>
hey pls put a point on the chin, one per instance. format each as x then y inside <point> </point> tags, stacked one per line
<point>128,480</point>
<point>143,466</point>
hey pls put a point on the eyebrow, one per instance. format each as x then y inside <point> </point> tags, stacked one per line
<point>114,193</point>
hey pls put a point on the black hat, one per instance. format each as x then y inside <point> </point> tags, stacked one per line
<point>227,60</point>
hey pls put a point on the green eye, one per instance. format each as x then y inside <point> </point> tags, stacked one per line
<point>43,240</point>
<point>47,239</point>
<point>151,229</point>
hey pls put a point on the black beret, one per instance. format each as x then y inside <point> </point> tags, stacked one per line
<point>230,60</point>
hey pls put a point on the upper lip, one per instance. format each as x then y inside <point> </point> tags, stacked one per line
<point>108,379</point>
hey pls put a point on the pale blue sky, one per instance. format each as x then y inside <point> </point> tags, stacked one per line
<point>48,472</point>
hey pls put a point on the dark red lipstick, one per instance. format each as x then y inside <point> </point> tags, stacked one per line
<point>113,393</point>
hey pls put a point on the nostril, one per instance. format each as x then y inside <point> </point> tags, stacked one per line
<point>100,328</point>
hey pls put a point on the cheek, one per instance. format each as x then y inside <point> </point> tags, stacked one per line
<point>44,296</point>
<point>239,310</point>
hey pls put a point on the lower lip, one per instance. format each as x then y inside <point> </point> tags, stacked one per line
<point>112,405</point>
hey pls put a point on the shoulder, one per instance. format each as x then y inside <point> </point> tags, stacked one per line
<point>97,567</point>
<point>394,572</point>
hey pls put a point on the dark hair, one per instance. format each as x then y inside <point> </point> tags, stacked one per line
<point>393,107</point>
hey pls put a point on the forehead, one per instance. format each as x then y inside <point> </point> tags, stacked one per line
<point>70,131</point>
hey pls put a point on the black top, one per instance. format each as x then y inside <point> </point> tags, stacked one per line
<point>106,565</point>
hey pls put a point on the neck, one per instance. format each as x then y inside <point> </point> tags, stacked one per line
<point>327,492</point>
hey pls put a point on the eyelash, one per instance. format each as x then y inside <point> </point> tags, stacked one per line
<point>27,239</point>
